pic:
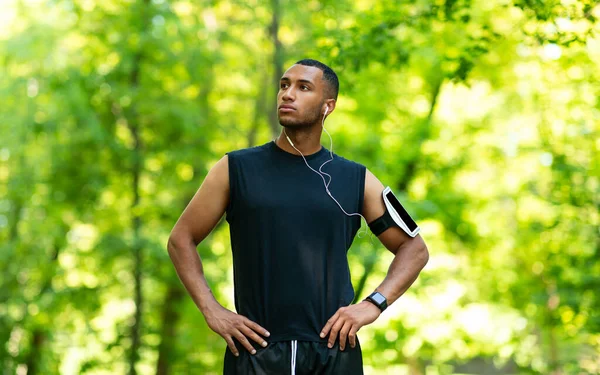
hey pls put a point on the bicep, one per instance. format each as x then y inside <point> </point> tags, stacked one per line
<point>207,206</point>
<point>373,208</point>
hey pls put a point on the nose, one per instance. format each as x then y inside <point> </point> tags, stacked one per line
<point>288,94</point>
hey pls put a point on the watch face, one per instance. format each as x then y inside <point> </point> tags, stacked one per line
<point>379,298</point>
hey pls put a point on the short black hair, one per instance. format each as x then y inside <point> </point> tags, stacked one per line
<point>328,75</point>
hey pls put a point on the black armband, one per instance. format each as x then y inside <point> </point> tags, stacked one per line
<point>394,215</point>
<point>382,223</point>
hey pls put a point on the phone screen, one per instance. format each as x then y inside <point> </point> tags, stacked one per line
<point>401,211</point>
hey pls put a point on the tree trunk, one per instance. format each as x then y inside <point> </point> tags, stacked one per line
<point>14,218</point>
<point>259,109</point>
<point>425,131</point>
<point>170,316</point>
<point>554,357</point>
<point>40,334</point>
<point>277,66</point>
<point>415,366</point>
<point>35,352</point>
<point>136,223</point>
<point>136,248</point>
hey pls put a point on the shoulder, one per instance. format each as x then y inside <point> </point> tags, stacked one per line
<point>349,163</point>
<point>219,173</point>
<point>250,152</point>
<point>373,204</point>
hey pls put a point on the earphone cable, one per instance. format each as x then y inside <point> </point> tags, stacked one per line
<point>321,173</point>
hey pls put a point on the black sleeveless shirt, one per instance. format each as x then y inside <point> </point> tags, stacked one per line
<point>290,239</point>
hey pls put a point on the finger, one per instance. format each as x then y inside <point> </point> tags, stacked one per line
<point>244,341</point>
<point>343,333</point>
<point>334,332</point>
<point>231,345</point>
<point>352,336</point>
<point>253,335</point>
<point>329,324</point>
<point>256,327</point>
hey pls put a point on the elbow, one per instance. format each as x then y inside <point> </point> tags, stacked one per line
<point>172,246</point>
<point>175,244</point>
<point>423,255</point>
<point>179,241</point>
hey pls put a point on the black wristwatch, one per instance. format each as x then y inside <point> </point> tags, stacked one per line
<point>378,300</point>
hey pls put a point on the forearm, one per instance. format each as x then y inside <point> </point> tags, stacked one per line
<point>408,262</point>
<point>189,268</point>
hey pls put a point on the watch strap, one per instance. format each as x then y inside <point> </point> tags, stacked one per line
<point>382,306</point>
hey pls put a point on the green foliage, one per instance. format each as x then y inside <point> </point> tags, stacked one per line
<point>483,116</point>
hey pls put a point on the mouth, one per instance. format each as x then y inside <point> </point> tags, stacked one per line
<point>285,108</point>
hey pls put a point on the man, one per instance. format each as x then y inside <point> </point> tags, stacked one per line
<point>293,209</point>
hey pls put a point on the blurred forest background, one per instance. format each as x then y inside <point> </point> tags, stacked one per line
<point>483,115</point>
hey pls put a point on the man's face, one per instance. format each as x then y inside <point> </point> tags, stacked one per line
<point>301,96</point>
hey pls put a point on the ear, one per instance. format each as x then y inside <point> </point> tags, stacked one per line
<point>329,106</point>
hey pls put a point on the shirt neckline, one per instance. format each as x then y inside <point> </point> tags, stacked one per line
<point>317,154</point>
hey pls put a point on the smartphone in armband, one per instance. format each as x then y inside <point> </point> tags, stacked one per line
<point>399,214</point>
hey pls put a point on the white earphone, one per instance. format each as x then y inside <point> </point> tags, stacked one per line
<point>322,174</point>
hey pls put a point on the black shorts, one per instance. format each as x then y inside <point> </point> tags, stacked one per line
<point>295,357</point>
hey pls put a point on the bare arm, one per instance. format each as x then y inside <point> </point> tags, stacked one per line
<point>195,223</point>
<point>197,220</point>
<point>411,255</point>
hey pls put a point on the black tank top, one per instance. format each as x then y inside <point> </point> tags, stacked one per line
<point>290,239</point>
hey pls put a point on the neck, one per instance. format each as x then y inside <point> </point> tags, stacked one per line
<point>306,140</point>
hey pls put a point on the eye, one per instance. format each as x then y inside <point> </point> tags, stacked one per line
<point>304,87</point>
<point>284,85</point>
